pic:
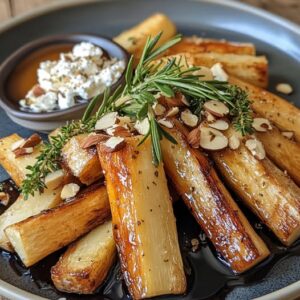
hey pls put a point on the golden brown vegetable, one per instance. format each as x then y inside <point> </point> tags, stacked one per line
<point>86,263</point>
<point>212,206</point>
<point>143,221</point>
<point>40,235</point>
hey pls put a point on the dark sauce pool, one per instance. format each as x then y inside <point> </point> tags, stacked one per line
<point>207,274</point>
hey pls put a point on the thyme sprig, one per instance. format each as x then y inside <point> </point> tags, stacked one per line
<point>144,85</point>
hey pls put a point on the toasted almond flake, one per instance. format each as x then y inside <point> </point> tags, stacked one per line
<point>219,124</point>
<point>234,142</point>
<point>18,144</point>
<point>4,198</point>
<point>204,74</point>
<point>179,100</point>
<point>38,91</point>
<point>166,123</point>
<point>193,138</point>
<point>124,120</point>
<point>121,131</point>
<point>218,72</point>
<point>106,121</point>
<point>142,127</point>
<point>69,190</point>
<point>209,117</point>
<point>158,109</point>
<point>55,179</point>
<point>261,124</point>
<point>288,134</point>
<point>212,139</point>
<point>122,101</point>
<point>216,108</point>
<point>256,148</point>
<point>188,118</point>
<point>32,141</point>
<point>284,88</point>
<point>93,139</point>
<point>114,143</point>
<point>184,100</point>
<point>23,151</point>
<point>172,112</point>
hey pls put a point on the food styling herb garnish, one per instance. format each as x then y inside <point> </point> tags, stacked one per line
<point>148,81</point>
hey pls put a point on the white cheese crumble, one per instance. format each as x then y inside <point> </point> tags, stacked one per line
<point>78,75</point>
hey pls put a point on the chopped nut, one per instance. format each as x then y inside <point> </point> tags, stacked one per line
<point>158,109</point>
<point>18,144</point>
<point>209,117</point>
<point>55,179</point>
<point>212,139</point>
<point>142,127</point>
<point>32,141</point>
<point>284,88</point>
<point>193,138</point>
<point>113,144</point>
<point>205,74</point>
<point>178,100</point>
<point>38,91</point>
<point>93,139</point>
<point>125,120</point>
<point>288,134</point>
<point>23,151</point>
<point>116,130</point>
<point>219,124</point>
<point>166,123</point>
<point>218,72</point>
<point>106,121</point>
<point>234,142</point>
<point>216,108</point>
<point>172,112</point>
<point>69,190</point>
<point>4,198</point>
<point>195,244</point>
<point>261,124</point>
<point>184,100</point>
<point>256,148</point>
<point>188,118</point>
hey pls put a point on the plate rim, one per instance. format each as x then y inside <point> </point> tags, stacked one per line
<point>8,290</point>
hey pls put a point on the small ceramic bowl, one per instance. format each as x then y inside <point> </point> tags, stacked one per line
<point>47,121</point>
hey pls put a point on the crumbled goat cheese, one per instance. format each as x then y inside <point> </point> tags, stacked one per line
<point>83,73</point>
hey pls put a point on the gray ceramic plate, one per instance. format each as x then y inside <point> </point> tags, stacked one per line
<point>273,36</point>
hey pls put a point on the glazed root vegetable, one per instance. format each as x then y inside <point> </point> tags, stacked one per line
<point>212,206</point>
<point>134,39</point>
<point>273,197</point>
<point>86,263</point>
<point>42,234</point>
<point>284,152</point>
<point>143,221</point>
<point>282,113</point>
<point>81,163</point>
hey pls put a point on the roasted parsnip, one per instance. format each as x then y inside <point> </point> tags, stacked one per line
<point>42,234</point>
<point>86,263</point>
<point>284,114</point>
<point>212,205</point>
<point>143,221</point>
<point>272,195</point>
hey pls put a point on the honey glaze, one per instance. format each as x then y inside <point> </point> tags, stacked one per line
<point>208,276</point>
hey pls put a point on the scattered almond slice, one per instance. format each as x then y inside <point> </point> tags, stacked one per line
<point>256,148</point>
<point>124,120</point>
<point>166,123</point>
<point>158,109</point>
<point>122,101</point>
<point>93,139</point>
<point>178,100</point>
<point>219,124</point>
<point>209,117</point>
<point>55,179</point>
<point>216,108</point>
<point>204,73</point>
<point>106,121</point>
<point>172,112</point>
<point>288,134</point>
<point>23,151</point>
<point>184,100</point>
<point>234,142</point>
<point>4,198</point>
<point>188,118</point>
<point>18,144</point>
<point>284,88</point>
<point>212,139</point>
<point>261,124</point>
<point>69,190</point>
<point>121,131</point>
<point>218,72</point>
<point>32,141</point>
<point>142,127</point>
<point>193,138</point>
<point>114,143</point>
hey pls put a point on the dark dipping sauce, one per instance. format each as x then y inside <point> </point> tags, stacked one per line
<point>208,276</point>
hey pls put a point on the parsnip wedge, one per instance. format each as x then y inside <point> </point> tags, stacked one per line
<point>16,167</point>
<point>212,205</point>
<point>40,235</point>
<point>143,221</point>
<point>285,153</point>
<point>284,114</point>
<point>82,163</point>
<point>86,263</point>
<point>274,197</point>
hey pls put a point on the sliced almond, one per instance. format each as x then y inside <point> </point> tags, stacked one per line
<point>93,139</point>
<point>193,138</point>
<point>38,91</point>
<point>234,142</point>
<point>23,151</point>
<point>209,117</point>
<point>55,179</point>
<point>32,141</point>
<point>261,124</point>
<point>166,123</point>
<point>158,109</point>
<point>284,88</point>
<point>288,134</point>
<point>121,131</point>
<point>124,120</point>
<point>219,124</point>
<point>106,121</point>
<point>218,72</point>
<point>178,100</point>
<point>256,148</point>
<point>172,112</point>
<point>113,144</point>
<point>216,108</point>
<point>205,74</point>
<point>69,190</point>
<point>188,118</point>
<point>17,144</point>
<point>184,100</point>
<point>212,139</point>
<point>142,127</point>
